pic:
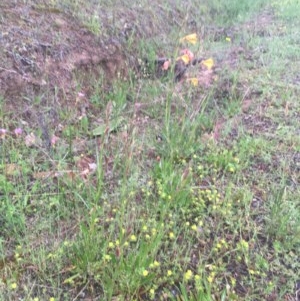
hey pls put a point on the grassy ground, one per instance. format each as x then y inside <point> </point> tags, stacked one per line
<point>186,192</point>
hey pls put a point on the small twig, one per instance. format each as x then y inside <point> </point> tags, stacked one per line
<point>81,291</point>
<point>8,70</point>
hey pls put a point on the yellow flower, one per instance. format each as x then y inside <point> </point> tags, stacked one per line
<point>111,245</point>
<point>133,238</point>
<point>227,39</point>
<point>153,230</point>
<point>107,257</point>
<point>52,299</point>
<point>169,273</point>
<point>171,235</point>
<point>13,286</point>
<point>145,273</point>
<point>188,275</point>
<point>194,227</point>
<point>156,263</point>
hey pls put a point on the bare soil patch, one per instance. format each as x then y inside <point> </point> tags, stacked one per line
<point>41,49</point>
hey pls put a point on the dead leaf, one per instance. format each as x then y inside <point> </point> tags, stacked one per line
<point>42,175</point>
<point>184,58</point>
<point>205,78</point>
<point>246,105</point>
<point>166,65</point>
<point>3,132</point>
<point>86,166</point>
<point>191,38</point>
<point>54,140</point>
<point>30,140</point>
<point>12,169</point>
<point>209,63</point>
<point>107,128</point>
<point>217,129</point>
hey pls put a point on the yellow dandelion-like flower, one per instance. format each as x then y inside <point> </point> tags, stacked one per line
<point>107,257</point>
<point>52,299</point>
<point>197,277</point>
<point>231,169</point>
<point>188,275</point>
<point>66,243</point>
<point>156,263</point>
<point>111,245</point>
<point>145,228</point>
<point>194,227</point>
<point>145,273</point>
<point>13,286</point>
<point>210,279</point>
<point>147,236</point>
<point>126,243</point>
<point>117,242</point>
<point>133,238</point>
<point>169,273</point>
<point>171,235</point>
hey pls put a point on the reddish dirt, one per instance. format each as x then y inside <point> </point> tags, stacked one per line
<point>43,49</point>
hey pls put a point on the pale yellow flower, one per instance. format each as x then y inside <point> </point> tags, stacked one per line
<point>188,275</point>
<point>171,235</point>
<point>133,238</point>
<point>145,273</point>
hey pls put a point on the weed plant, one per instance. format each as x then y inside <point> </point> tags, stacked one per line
<point>167,205</point>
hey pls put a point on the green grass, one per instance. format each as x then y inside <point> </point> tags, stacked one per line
<point>183,194</point>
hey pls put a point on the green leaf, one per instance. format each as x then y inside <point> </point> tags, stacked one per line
<point>110,127</point>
